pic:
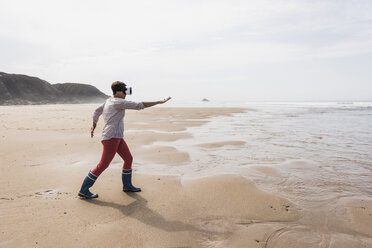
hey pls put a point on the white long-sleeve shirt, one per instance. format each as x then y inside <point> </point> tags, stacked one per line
<point>113,111</point>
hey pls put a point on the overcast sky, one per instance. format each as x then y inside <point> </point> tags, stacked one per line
<point>220,50</point>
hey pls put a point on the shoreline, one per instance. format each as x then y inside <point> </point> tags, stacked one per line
<point>47,151</point>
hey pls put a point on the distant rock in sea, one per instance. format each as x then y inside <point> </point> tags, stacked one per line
<point>205,100</point>
<point>23,89</point>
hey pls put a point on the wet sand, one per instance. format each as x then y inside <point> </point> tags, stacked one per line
<point>46,151</point>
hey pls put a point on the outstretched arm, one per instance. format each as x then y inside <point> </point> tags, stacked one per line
<point>150,104</point>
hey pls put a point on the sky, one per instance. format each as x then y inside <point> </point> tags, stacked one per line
<point>258,50</point>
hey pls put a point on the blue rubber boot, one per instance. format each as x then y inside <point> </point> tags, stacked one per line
<point>88,182</point>
<point>127,182</point>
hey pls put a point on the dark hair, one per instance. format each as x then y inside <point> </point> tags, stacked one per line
<point>118,86</point>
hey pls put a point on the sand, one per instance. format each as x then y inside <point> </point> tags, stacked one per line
<point>46,151</point>
<point>222,143</point>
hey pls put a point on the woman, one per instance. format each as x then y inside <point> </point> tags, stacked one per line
<point>113,111</point>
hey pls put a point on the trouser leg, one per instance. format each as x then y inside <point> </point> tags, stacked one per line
<point>125,154</point>
<point>109,150</point>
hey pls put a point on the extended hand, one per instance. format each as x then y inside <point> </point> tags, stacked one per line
<point>165,100</point>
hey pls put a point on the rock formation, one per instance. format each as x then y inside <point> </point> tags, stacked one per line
<point>22,89</point>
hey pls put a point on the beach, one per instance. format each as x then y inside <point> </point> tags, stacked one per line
<point>210,177</point>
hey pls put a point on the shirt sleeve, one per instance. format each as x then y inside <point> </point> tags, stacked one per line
<point>98,112</point>
<point>124,104</point>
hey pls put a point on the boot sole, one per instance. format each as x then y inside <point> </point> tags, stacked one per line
<point>130,190</point>
<point>87,197</point>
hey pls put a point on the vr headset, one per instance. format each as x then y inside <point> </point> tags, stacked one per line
<point>128,90</point>
<point>120,86</point>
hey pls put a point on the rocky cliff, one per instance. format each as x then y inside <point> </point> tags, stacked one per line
<point>22,89</point>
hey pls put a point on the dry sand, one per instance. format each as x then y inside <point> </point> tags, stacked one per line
<point>46,151</point>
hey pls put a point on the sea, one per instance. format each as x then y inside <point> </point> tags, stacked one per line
<point>307,152</point>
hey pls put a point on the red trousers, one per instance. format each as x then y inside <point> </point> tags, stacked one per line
<point>110,148</point>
